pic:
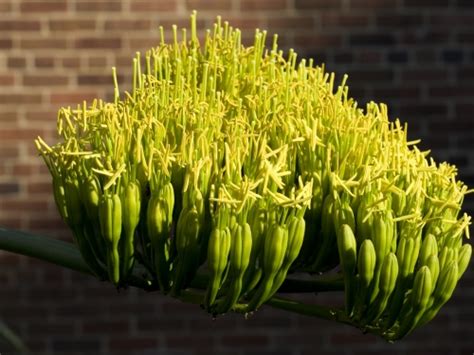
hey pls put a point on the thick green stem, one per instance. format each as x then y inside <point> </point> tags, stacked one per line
<point>67,255</point>
<point>52,250</point>
<point>10,337</point>
<point>44,248</point>
<point>309,310</point>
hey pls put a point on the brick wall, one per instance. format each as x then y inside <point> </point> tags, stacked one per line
<point>415,55</point>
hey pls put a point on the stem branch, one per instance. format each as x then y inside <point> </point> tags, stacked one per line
<point>309,310</point>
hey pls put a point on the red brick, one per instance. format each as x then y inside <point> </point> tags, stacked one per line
<point>317,4</point>
<point>189,341</point>
<point>452,56</point>
<point>119,307</point>
<point>5,6</point>
<point>125,24</point>
<point>318,40</point>
<point>31,311</point>
<point>79,278</point>
<point>432,109</point>
<point>39,188</point>
<point>430,37</point>
<point>52,275</point>
<point>343,57</point>
<point>375,352</point>
<point>465,3</point>
<point>71,62</point>
<point>44,62</point>
<point>71,25</point>
<point>109,326</point>
<point>8,151</point>
<point>145,325</point>
<point>447,91</point>
<point>7,79</point>
<point>424,56</point>
<point>66,345</point>
<point>97,62</point>
<point>19,25</point>
<point>424,75</point>
<point>372,39</point>
<point>16,62</point>
<point>450,20</point>
<point>309,350</point>
<point>5,280</point>
<point>465,37</point>
<point>51,327</point>
<point>7,188</point>
<point>300,22</point>
<point>369,56</point>
<point>145,6</point>
<point>464,111</point>
<point>9,116</point>
<point>397,93</point>
<point>370,75</point>
<point>122,61</point>
<point>372,4</point>
<point>339,20</point>
<point>43,6</point>
<point>434,142</point>
<point>352,338</point>
<point>10,222</point>
<point>250,340</point>
<point>43,169</point>
<point>41,115</point>
<point>94,80</point>
<point>140,43</point>
<point>399,20</point>
<point>45,80</point>
<point>267,5</point>
<point>5,43</point>
<point>74,98</point>
<point>451,126</point>
<point>98,43</point>
<point>29,134</point>
<point>213,5</point>
<point>16,205</point>
<point>9,258</point>
<point>426,3</point>
<point>133,344</point>
<point>44,223</point>
<point>22,169</point>
<point>44,43</point>
<point>97,6</point>
<point>267,321</point>
<point>14,99</point>
<point>45,292</point>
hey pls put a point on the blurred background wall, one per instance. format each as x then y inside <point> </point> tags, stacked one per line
<point>415,55</point>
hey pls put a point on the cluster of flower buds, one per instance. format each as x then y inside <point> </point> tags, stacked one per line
<point>248,164</point>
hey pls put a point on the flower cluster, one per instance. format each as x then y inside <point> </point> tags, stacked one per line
<point>251,164</point>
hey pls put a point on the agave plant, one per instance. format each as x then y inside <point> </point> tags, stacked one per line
<point>229,171</point>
